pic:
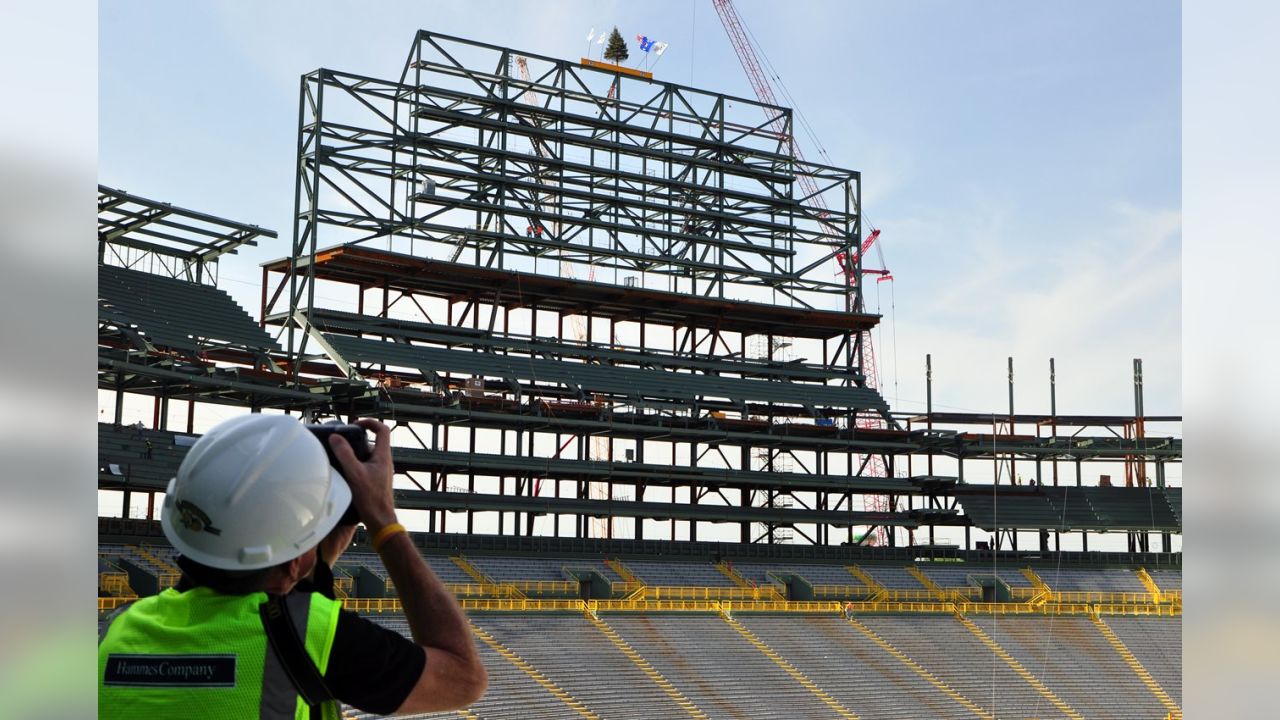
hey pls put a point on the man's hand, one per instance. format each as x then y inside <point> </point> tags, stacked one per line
<point>370,480</point>
<point>454,677</point>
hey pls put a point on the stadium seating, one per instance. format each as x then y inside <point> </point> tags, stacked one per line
<point>1075,580</point>
<point>514,569</point>
<point>850,667</point>
<point>961,575</point>
<point>511,694</point>
<point>715,668</point>
<point>679,574</point>
<point>122,455</point>
<point>746,659</point>
<point>1072,657</point>
<point>1167,580</point>
<point>958,658</point>
<point>894,577</point>
<point>176,314</point>
<point>1157,644</point>
<point>578,658</point>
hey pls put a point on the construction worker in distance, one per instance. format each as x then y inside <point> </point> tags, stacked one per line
<point>254,509</point>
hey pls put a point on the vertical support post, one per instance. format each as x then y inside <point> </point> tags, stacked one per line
<point>1013,474</point>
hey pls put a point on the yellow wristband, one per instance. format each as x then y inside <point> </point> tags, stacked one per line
<point>385,533</point>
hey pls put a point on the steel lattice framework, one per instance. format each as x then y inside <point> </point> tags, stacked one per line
<point>470,211</point>
<point>610,172</point>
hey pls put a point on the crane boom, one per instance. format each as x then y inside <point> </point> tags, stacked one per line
<point>764,91</point>
<point>746,52</point>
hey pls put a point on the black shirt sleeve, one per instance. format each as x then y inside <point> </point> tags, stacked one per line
<point>370,667</point>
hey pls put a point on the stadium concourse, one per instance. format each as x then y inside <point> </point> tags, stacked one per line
<point>567,446</point>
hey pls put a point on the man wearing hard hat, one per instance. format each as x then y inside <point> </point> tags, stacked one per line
<point>254,511</point>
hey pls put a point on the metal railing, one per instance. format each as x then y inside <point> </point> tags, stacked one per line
<point>477,590</point>
<point>522,605</point>
<point>672,592</point>
<point>653,606</point>
<point>1081,596</point>
<point>372,605</point>
<point>788,606</point>
<point>392,605</point>
<point>106,604</point>
<point>624,587</point>
<point>841,591</point>
<point>881,606</point>
<point>544,586</point>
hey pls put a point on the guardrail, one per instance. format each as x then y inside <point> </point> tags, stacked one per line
<point>841,591</point>
<point>545,586</point>
<point>652,606</point>
<point>881,606</point>
<point>674,592</point>
<point>1139,610</point>
<point>523,605</point>
<point>392,605</point>
<point>624,587</point>
<point>478,590</point>
<point>1082,596</point>
<point>789,606</point>
<point>106,604</point>
<point>372,605</point>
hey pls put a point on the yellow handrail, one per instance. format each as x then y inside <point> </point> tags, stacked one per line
<point>1083,596</point>
<point>653,606</point>
<point>624,587</point>
<point>1147,582</point>
<point>768,590</point>
<point>840,592</point>
<point>544,586</point>
<point>622,571</point>
<point>522,605</point>
<point>461,590</point>
<point>671,592</point>
<point>871,583</point>
<point>111,603</point>
<point>796,606</point>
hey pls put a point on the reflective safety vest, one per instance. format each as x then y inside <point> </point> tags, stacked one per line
<point>202,654</point>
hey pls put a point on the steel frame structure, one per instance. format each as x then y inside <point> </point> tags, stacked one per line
<point>411,195</point>
<point>1010,434</point>
<point>441,207</point>
<point>133,230</point>
<point>608,172</point>
<point>499,165</point>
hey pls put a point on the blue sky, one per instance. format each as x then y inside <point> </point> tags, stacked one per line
<point>1022,159</point>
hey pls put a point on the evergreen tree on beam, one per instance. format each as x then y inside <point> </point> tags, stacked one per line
<point>616,50</point>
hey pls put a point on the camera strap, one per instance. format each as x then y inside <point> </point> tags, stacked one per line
<point>282,635</point>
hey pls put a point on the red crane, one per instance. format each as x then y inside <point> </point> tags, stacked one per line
<point>746,52</point>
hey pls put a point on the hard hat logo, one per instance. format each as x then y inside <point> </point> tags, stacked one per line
<point>195,519</point>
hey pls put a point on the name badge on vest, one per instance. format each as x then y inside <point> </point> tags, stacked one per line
<point>171,671</point>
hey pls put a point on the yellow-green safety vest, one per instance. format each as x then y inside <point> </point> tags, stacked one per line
<point>201,654</point>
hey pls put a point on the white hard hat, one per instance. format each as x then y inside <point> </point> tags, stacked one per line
<point>253,492</point>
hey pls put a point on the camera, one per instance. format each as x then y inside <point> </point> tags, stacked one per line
<point>359,442</point>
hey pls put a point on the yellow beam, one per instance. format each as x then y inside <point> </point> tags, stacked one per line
<point>610,67</point>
